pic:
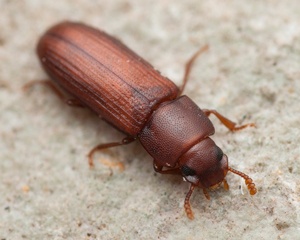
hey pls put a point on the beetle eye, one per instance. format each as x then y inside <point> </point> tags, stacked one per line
<point>219,154</point>
<point>187,171</point>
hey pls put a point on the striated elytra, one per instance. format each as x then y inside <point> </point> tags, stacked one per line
<point>101,73</point>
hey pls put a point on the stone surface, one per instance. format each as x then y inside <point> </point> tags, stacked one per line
<point>251,73</point>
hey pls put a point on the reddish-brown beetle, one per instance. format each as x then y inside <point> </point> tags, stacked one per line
<point>103,74</point>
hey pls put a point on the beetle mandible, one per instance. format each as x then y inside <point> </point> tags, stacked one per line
<point>101,73</point>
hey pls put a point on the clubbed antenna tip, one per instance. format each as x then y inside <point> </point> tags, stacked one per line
<point>248,181</point>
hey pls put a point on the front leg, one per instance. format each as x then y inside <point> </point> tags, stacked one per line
<point>225,121</point>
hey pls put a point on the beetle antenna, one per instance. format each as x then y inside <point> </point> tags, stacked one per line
<point>187,205</point>
<point>248,181</point>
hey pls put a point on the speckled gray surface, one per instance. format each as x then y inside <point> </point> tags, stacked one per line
<point>251,74</point>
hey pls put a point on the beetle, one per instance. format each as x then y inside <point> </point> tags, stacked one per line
<point>101,73</point>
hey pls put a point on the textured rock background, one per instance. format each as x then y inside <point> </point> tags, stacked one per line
<point>250,74</point>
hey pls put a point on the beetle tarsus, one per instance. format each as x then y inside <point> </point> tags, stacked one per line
<point>225,184</point>
<point>206,194</point>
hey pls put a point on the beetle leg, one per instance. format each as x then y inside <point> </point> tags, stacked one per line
<point>225,121</point>
<point>112,164</point>
<point>159,169</point>
<point>225,184</point>
<point>188,67</point>
<point>187,205</point>
<point>99,147</point>
<point>206,194</point>
<point>72,102</point>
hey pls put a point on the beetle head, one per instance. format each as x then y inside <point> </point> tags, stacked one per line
<point>204,164</point>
